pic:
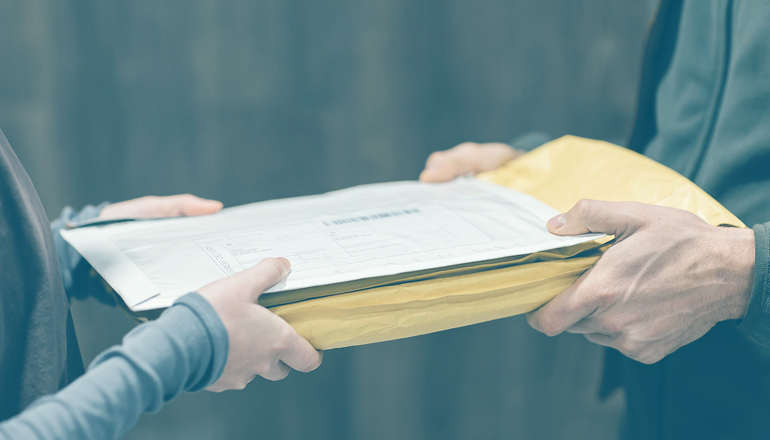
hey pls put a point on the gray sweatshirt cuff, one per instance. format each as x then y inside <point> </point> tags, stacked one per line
<point>217,336</point>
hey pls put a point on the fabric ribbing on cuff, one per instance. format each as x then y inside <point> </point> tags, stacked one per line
<point>69,258</point>
<point>220,343</point>
<point>756,322</point>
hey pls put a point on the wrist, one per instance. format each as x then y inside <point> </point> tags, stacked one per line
<point>739,257</point>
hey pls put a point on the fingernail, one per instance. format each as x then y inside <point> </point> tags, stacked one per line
<point>557,222</point>
<point>285,262</point>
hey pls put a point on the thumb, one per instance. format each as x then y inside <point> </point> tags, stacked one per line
<point>468,157</point>
<point>440,167</point>
<point>188,204</point>
<point>611,218</point>
<point>255,280</point>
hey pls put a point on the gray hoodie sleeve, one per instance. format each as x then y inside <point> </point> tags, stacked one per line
<point>184,350</point>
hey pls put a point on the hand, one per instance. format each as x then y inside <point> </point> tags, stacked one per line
<point>152,206</point>
<point>665,282</point>
<point>465,158</point>
<point>261,343</point>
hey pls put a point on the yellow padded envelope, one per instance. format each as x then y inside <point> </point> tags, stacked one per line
<point>559,173</point>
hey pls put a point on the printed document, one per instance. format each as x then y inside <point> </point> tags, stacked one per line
<point>352,234</point>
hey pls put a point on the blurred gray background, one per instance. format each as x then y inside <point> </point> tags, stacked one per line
<point>246,100</point>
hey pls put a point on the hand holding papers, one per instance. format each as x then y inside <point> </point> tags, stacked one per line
<point>354,234</point>
<point>260,343</point>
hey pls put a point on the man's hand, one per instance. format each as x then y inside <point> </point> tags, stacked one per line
<point>465,158</point>
<point>152,206</point>
<point>665,282</point>
<point>261,343</point>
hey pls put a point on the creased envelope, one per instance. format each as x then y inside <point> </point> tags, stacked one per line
<point>559,173</point>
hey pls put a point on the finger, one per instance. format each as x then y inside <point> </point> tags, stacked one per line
<point>277,371</point>
<point>262,276</point>
<point>601,339</point>
<point>187,204</point>
<point>466,158</point>
<point>440,168</point>
<point>612,218</point>
<point>564,310</point>
<point>300,355</point>
<point>583,326</point>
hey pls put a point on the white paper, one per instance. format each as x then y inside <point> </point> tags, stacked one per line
<point>357,233</point>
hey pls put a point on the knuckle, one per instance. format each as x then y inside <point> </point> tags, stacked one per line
<point>280,375</point>
<point>177,198</point>
<point>275,371</point>
<point>602,289</point>
<point>220,386</point>
<point>603,297</point>
<point>466,146</point>
<point>283,341</point>
<point>280,345</point>
<point>611,326</point>
<point>307,367</point>
<point>587,209</point>
<point>652,356</point>
<point>262,368</point>
<point>230,384</point>
<point>583,207</point>
<point>549,325</point>
<point>274,269</point>
<point>267,271</point>
<point>436,156</point>
<point>311,364</point>
<point>630,348</point>
<point>648,360</point>
<point>216,388</point>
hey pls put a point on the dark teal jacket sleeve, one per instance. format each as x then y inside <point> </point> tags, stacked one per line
<point>184,350</point>
<point>530,141</point>
<point>75,271</point>
<point>756,322</point>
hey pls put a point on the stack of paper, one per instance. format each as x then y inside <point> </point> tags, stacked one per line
<point>337,242</point>
<point>383,262</point>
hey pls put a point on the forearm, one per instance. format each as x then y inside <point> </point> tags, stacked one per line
<point>184,350</point>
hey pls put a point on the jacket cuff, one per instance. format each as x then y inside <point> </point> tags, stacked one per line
<point>756,322</point>
<point>530,141</point>
<point>69,258</point>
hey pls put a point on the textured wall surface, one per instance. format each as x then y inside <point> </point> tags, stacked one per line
<point>246,100</point>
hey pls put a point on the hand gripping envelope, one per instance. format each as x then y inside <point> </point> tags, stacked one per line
<point>559,173</point>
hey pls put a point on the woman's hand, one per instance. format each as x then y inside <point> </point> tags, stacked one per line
<point>261,343</point>
<point>153,207</point>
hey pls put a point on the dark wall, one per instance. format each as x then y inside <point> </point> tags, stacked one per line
<point>247,100</point>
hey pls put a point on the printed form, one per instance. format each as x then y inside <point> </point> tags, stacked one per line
<point>352,234</point>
